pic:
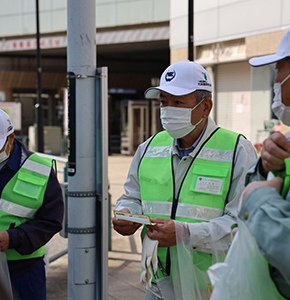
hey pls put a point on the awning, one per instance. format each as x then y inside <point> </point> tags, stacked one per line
<point>124,36</point>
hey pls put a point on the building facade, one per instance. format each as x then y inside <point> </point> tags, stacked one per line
<point>137,40</point>
<point>226,34</point>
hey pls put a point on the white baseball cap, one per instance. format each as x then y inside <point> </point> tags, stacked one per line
<point>282,52</point>
<point>181,78</point>
<point>6,127</point>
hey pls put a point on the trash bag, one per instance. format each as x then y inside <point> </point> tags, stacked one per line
<point>5,283</point>
<point>244,274</point>
<point>188,281</point>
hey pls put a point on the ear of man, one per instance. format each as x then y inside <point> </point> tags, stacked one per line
<point>10,141</point>
<point>207,106</point>
<point>11,138</point>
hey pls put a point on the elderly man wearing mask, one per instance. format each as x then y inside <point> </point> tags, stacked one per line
<point>193,172</point>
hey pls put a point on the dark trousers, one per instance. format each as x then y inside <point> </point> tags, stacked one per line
<point>31,285</point>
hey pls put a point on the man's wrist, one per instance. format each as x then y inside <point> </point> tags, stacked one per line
<point>9,233</point>
<point>262,170</point>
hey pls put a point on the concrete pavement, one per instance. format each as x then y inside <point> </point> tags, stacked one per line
<point>124,257</point>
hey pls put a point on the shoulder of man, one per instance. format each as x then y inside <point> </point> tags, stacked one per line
<point>25,153</point>
<point>23,148</point>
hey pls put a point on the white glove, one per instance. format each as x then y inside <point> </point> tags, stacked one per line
<point>149,255</point>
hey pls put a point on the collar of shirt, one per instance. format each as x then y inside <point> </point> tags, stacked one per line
<point>14,160</point>
<point>186,151</point>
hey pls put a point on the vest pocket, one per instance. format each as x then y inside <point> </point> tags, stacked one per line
<point>209,179</point>
<point>29,185</point>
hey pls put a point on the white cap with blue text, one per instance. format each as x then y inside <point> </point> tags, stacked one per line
<point>283,51</point>
<point>6,127</point>
<point>181,78</point>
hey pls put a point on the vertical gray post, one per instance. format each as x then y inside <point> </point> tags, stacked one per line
<point>191,30</point>
<point>81,229</point>
<point>102,183</point>
<point>38,106</point>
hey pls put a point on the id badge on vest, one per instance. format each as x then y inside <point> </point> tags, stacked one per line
<point>209,185</point>
<point>209,179</point>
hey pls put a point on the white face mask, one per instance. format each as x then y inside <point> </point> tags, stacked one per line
<point>177,120</point>
<point>3,155</point>
<point>280,110</point>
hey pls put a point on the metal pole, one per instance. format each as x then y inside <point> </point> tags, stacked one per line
<point>190,30</point>
<point>102,183</point>
<point>82,198</point>
<point>38,105</point>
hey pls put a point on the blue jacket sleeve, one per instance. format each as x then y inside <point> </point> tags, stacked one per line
<point>35,233</point>
<point>253,173</point>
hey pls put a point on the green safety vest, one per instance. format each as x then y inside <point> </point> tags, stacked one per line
<point>203,192</point>
<point>22,197</point>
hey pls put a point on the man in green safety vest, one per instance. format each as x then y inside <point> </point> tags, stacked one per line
<point>266,207</point>
<point>31,212</point>
<point>192,172</point>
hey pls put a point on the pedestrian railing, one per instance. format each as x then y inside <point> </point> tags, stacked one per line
<point>61,164</point>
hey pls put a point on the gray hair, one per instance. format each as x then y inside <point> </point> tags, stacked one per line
<point>201,94</point>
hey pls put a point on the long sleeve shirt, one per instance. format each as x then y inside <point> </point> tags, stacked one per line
<point>267,215</point>
<point>200,237</point>
<point>29,236</point>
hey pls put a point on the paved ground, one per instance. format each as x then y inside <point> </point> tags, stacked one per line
<point>124,259</point>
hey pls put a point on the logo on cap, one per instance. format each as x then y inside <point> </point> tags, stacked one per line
<point>170,75</point>
<point>205,77</point>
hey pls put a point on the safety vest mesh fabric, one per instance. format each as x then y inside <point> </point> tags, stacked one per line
<point>204,190</point>
<point>22,197</point>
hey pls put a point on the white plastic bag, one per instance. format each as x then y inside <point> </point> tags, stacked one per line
<point>244,274</point>
<point>187,281</point>
<point>5,283</point>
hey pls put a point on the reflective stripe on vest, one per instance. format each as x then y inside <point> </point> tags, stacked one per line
<point>22,197</point>
<point>206,153</point>
<point>16,209</point>
<point>184,210</point>
<point>158,151</point>
<point>204,188</point>
<point>216,154</point>
<point>37,167</point>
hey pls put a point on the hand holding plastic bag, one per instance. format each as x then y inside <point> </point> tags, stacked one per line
<point>244,274</point>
